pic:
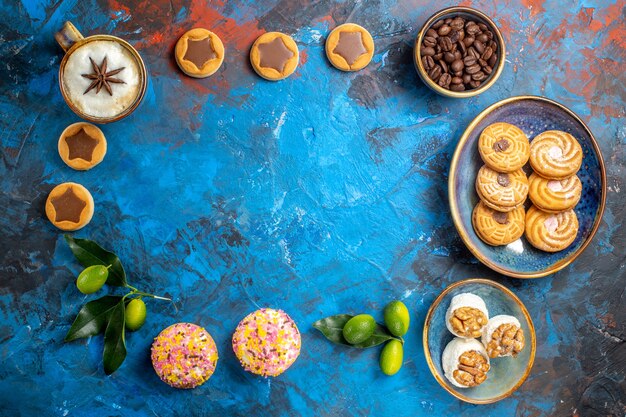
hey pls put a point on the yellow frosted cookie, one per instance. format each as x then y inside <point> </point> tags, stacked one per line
<point>349,47</point>
<point>69,206</point>
<point>199,53</point>
<point>501,191</point>
<point>497,228</point>
<point>82,146</point>
<point>555,155</point>
<point>274,56</point>
<point>554,196</point>
<point>503,147</point>
<point>551,232</point>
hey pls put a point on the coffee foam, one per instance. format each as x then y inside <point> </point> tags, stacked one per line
<point>102,104</point>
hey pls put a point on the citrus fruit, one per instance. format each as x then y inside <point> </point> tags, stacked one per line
<point>359,328</point>
<point>391,357</point>
<point>92,279</point>
<point>135,314</point>
<point>397,318</point>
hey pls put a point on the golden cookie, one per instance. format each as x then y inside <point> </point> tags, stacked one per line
<point>82,146</point>
<point>501,191</point>
<point>274,56</point>
<point>69,206</point>
<point>349,47</point>
<point>497,228</point>
<point>551,232</point>
<point>199,53</point>
<point>555,155</point>
<point>554,195</point>
<point>504,147</point>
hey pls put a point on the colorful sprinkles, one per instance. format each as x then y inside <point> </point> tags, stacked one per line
<point>184,355</point>
<point>267,342</point>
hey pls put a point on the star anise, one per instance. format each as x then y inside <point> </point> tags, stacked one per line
<point>101,77</point>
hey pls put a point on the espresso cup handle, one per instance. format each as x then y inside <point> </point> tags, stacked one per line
<point>68,36</point>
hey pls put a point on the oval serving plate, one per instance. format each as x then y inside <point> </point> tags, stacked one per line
<point>533,115</point>
<point>506,374</point>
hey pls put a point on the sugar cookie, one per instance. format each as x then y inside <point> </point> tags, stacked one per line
<point>199,53</point>
<point>554,195</point>
<point>555,155</point>
<point>349,47</point>
<point>274,56</point>
<point>501,191</point>
<point>498,228</point>
<point>504,147</point>
<point>82,146</point>
<point>551,232</point>
<point>69,206</point>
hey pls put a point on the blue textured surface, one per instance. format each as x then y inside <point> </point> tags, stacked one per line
<point>324,193</point>
<point>533,117</point>
<point>505,373</point>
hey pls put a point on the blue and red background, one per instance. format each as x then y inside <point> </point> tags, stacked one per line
<point>321,194</point>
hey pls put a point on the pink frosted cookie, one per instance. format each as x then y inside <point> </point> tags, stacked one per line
<point>184,355</point>
<point>266,342</point>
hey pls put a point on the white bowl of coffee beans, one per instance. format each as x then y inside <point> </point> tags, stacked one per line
<point>459,52</point>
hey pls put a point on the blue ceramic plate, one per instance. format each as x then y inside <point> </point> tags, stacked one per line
<point>533,115</point>
<point>506,374</point>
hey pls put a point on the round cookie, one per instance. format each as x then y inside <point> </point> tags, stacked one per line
<point>274,56</point>
<point>555,155</point>
<point>501,191</point>
<point>497,228</point>
<point>551,232</point>
<point>504,147</point>
<point>199,53</point>
<point>554,196</point>
<point>69,206</point>
<point>267,342</point>
<point>82,146</point>
<point>349,47</point>
<point>184,355</point>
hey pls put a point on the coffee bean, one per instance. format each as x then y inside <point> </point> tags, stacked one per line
<point>489,34</point>
<point>457,80</point>
<point>448,20</point>
<point>457,65</point>
<point>483,38</point>
<point>472,29</point>
<point>454,36</point>
<point>471,51</point>
<point>444,80</point>
<point>427,51</point>
<point>457,55</point>
<point>437,24</point>
<point>483,27</point>
<point>468,41</point>
<point>457,87</point>
<point>457,24</point>
<point>462,48</point>
<point>444,30</point>
<point>428,62</point>
<point>469,60</point>
<point>467,78</point>
<point>432,33</point>
<point>449,57</point>
<point>493,45</point>
<point>430,42</point>
<point>435,73</point>
<point>487,70</point>
<point>487,53</point>
<point>438,56</point>
<point>458,74</point>
<point>492,61</point>
<point>474,84</point>
<point>479,76</point>
<point>472,69</point>
<point>445,43</point>
<point>444,66</point>
<point>482,62</point>
<point>461,35</point>
<point>479,46</point>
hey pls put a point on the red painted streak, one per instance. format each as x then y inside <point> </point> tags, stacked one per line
<point>535,6</point>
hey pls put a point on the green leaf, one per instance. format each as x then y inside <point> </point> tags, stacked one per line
<point>114,340</point>
<point>332,328</point>
<point>92,319</point>
<point>89,253</point>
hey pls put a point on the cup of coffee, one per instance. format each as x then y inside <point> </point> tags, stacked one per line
<point>102,78</point>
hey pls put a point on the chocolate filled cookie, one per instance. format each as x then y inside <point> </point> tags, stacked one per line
<point>497,228</point>
<point>504,147</point>
<point>274,56</point>
<point>501,191</point>
<point>82,146</point>
<point>551,232</point>
<point>69,206</point>
<point>555,155</point>
<point>554,196</point>
<point>349,47</point>
<point>199,53</point>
